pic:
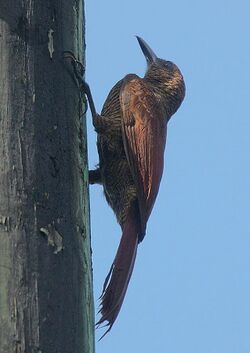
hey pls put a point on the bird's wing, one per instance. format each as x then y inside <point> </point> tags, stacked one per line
<point>144,129</point>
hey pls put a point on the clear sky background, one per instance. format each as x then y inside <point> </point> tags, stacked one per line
<point>190,290</point>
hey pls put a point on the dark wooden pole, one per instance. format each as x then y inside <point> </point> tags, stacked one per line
<point>46,298</point>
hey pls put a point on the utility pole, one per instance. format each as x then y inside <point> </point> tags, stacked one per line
<point>46,295</point>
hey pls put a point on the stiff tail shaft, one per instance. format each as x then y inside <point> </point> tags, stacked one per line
<point>116,283</point>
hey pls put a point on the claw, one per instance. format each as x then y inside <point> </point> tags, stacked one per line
<point>78,67</point>
<point>77,75</point>
<point>69,54</point>
<point>79,71</point>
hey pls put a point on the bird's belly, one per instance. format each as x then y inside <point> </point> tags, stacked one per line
<point>118,184</point>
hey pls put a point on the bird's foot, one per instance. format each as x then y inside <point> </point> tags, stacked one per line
<point>95,176</point>
<point>79,71</point>
<point>78,67</point>
<point>77,75</point>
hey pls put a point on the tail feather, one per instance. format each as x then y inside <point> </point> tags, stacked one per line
<point>117,280</point>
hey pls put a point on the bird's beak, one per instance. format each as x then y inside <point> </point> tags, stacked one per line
<point>147,51</point>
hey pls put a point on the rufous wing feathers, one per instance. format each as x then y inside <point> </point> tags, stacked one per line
<point>144,130</point>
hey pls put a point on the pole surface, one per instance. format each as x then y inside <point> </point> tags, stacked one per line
<point>46,295</point>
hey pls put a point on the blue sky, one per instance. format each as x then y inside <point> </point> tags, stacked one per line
<point>190,290</point>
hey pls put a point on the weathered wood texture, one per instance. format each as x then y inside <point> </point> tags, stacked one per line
<point>46,303</point>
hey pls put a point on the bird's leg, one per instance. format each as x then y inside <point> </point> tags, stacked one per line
<point>100,123</point>
<point>95,176</point>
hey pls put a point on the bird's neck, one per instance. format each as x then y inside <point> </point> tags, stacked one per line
<point>169,92</point>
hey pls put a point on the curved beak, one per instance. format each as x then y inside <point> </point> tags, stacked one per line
<point>147,51</point>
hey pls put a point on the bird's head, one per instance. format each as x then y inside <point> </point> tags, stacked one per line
<point>164,76</point>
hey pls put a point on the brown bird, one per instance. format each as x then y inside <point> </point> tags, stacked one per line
<point>132,130</point>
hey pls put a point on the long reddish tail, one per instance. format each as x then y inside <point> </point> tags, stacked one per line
<point>116,283</point>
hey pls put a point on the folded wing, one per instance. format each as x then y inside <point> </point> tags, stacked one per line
<point>144,128</point>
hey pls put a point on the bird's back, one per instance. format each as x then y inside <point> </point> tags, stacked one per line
<point>131,148</point>
<point>111,107</point>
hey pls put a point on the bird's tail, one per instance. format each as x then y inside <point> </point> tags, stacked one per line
<point>117,280</point>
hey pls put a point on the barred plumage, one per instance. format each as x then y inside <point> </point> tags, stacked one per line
<point>131,140</point>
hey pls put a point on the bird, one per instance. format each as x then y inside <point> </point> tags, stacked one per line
<point>131,138</point>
